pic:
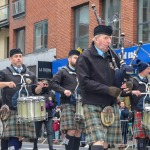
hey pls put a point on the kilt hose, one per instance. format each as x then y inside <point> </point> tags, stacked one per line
<point>67,119</point>
<point>96,131</point>
<point>138,130</point>
<point>13,129</point>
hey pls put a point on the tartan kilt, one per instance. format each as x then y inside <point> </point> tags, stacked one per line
<point>138,130</point>
<point>11,128</point>
<point>96,131</point>
<point>67,119</point>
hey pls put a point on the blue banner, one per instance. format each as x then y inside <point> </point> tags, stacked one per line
<point>58,64</point>
<point>143,55</point>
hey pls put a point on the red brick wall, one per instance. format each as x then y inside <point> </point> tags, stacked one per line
<point>60,16</point>
<point>128,20</point>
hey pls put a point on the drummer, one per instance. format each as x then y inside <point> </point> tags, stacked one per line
<point>142,135</point>
<point>50,104</point>
<point>65,82</point>
<point>10,84</point>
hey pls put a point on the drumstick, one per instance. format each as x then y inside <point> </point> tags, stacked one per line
<point>19,84</point>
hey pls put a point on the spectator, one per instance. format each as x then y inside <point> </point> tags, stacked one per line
<point>56,128</point>
<point>124,113</point>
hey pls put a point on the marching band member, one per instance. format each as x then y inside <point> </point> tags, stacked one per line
<point>96,75</point>
<point>65,82</point>
<point>50,104</point>
<point>9,78</point>
<point>141,134</point>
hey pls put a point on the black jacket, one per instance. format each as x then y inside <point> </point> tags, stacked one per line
<point>136,86</point>
<point>96,74</point>
<point>62,81</point>
<point>6,75</point>
<point>124,113</point>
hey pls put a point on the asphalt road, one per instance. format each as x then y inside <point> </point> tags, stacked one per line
<point>42,145</point>
<point>29,146</point>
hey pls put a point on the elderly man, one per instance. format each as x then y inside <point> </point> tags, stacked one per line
<point>96,74</point>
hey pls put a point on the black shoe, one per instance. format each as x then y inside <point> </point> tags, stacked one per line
<point>35,148</point>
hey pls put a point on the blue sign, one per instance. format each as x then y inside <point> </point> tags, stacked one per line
<point>58,64</point>
<point>143,54</point>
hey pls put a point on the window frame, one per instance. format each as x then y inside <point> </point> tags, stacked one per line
<point>139,24</point>
<point>43,47</point>
<point>77,37</point>
<point>104,15</point>
<point>17,31</point>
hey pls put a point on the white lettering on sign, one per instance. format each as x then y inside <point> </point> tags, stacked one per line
<point>130,54</point>
<point>44,70</point>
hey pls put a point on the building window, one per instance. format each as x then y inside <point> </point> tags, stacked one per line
<point>18,8</point>
<point>41,36</point>
<point>20,39</point>
<point>144,21</point>
<point>82,27</point>
<point>111,12</point>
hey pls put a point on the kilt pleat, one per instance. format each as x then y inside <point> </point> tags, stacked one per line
<point>13,128</point>
<point>67,120</point>
<point>138,130</point>
<point>96,131</point>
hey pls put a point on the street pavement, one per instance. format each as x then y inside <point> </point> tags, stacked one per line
<point>44,146</point>
<point>29,146</point>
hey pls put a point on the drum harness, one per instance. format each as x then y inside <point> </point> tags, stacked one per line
<point>146,105</point>
<point>5,111</point>
<point>22,84</point>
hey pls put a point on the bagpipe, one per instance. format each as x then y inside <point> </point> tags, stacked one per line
<point>124,72</point>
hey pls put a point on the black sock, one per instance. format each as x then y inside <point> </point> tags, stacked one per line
<point>69,142</point>
<point>35,141</point>
<point>76,143</point>
<point>97,147</point>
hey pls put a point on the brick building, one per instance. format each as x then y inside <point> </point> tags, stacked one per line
<point>44,29</point>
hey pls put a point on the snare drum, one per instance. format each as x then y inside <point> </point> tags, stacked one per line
<point>79,115</point>
<point>31,108</point>
<point>146,119</point>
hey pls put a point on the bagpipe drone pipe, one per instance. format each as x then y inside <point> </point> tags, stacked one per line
<point>124,72</point>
